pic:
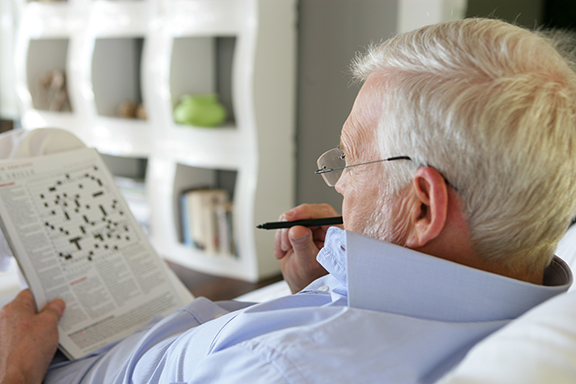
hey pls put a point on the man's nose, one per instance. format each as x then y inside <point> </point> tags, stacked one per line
<point>340,185</point>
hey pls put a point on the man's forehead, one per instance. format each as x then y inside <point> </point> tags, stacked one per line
<point>362,123</point>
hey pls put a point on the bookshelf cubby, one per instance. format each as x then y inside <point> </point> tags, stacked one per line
<point>44,44</point>
<point>44,57</point>
<point>187,178</point>
<point>154,52</point>
<point>130,167</point>
<point>213,57</point>
<point>116,73</point>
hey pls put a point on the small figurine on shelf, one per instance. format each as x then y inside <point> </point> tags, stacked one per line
<point>131,110</point>
<point>141,112</point>
<point>200,111</point>
<point>127,109</point>
<point>51,92</point>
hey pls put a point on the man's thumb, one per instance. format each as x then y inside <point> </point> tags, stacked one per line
<point>55,308</point>
<point>302,241</point>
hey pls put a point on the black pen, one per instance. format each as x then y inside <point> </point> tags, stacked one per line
<point>306,223</point>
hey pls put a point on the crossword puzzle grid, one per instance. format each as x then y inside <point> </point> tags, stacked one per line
<point>81,216</point>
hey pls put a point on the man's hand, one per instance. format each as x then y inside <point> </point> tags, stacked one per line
<point>28,340</point>
<point>297,247</point>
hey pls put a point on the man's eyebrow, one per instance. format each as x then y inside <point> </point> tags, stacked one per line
<point>348,152</point>
<point>341,147</point>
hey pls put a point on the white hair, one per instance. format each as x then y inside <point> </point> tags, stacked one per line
<point>492,107</point>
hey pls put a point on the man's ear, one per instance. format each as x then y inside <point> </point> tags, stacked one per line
<point>429,207</point>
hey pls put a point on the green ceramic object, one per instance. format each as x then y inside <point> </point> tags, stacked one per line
<point>200,111</point>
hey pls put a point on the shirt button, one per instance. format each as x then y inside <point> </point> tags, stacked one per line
<point>324,288</point>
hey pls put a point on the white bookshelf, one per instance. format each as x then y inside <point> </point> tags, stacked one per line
<point>154,52</point>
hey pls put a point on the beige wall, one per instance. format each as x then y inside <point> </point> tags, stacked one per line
<point>330,33</point>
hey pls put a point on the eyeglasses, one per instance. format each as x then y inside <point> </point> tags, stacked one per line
<point>332,163</point>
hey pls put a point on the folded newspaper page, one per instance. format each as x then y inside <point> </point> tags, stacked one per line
<point>74,238</point>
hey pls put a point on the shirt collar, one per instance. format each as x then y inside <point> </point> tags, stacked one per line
<point>385,277</point>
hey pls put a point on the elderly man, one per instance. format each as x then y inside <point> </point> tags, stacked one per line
<point>457,170</point>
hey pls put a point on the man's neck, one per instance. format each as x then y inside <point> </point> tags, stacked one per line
<point>522,274</point>
<point>461,251</point>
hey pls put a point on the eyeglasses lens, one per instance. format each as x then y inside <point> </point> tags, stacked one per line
<point>332,159</point>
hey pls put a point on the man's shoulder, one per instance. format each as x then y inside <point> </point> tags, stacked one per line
<point>415,348</point>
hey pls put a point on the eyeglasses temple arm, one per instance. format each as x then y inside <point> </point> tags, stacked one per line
<point>326,170</point>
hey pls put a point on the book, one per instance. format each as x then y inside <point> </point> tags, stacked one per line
<point>206,220</point>
<point>75,238</point>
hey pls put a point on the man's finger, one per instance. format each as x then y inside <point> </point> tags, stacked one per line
<point>55,308</point>
<point>302,241</point>
<point>278,251</point>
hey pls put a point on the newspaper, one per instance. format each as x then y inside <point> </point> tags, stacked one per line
<point>75,238</point>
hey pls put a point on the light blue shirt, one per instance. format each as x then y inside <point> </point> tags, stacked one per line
<point>383,314</point>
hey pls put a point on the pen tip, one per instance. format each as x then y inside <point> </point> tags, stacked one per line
<point>260,226</point>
